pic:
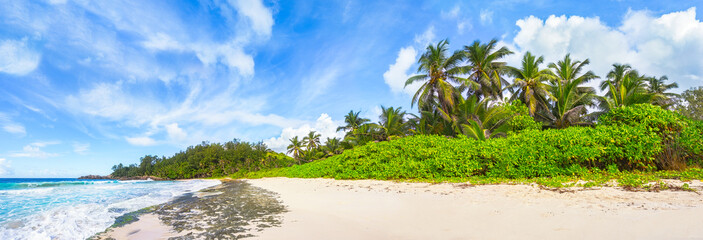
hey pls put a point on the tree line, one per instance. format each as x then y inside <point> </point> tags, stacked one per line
<point>207,160</point>
<point>472,92</point>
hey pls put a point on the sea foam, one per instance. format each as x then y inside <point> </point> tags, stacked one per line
<point>73,210</point>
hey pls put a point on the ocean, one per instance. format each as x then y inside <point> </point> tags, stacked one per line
<point>69,208</point>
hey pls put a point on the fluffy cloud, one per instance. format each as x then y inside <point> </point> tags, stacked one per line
<point>260,17</point>
<point>33,150</point>
<point>670,44</point>
<point>397,73</point>
<point>5,167</point>
<point>17,58</point>
<point>175,132</point>
<point>324,125</point>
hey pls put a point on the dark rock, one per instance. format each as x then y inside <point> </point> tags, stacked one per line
<point>96,177</point>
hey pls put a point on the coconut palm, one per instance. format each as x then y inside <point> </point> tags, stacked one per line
<point>616,75</point>
<point>484,69</point>
<point>360,136</point>
<point>333,146</point>
<point>625,87</point>
<point>479,119</point>
<point>312,140</point>
<point>570,98</point>
<point>353,121</point>
<point>392,123</point>
<point>659,88</point>
<point>529,83</point>
<point>296,147</point>
<point>430,121</point>
<point>439,72</point>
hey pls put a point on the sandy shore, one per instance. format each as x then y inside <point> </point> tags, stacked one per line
<point>367,209</point>
<point>148,227</point>
<point>329,209</point>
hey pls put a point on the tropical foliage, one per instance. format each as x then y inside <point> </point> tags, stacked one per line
<point>207,160</point>
<point>479,117</point>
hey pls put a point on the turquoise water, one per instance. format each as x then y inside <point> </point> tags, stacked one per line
<point>77,209</point>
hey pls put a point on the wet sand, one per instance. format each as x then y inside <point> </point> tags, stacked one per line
<point>369,209</point>
<point>231,210</point>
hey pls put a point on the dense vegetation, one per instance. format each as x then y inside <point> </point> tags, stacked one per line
<point>479,117</point>
<point>630,138</point>
<point>207,160</point>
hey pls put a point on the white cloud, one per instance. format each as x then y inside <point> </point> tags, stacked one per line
<point>141,141</point>
<point>324,125</point>
<point>14,128</point>
<point>670,44</point>
<point>81,148</point>
<point>200,111</point>
<point>175,132</point>
<point>486,16</point>
<point>17,58</point>
<point>397,73</point>
<point>10,126</point>
<point>5,167</point>
<point>260,17</point>
<point>426,37</point>
<point>162,41</point>
<point>33,150</point>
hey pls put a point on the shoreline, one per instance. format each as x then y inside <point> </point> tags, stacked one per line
<point>231,209</point>
<point>373,209</point>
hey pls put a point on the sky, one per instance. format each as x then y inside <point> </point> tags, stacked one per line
<point>85,85</point>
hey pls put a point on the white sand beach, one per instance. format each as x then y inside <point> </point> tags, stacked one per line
<point>366,209</point>
<point>369,209</point>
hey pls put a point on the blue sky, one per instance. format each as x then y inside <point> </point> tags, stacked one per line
<point>88,84</point>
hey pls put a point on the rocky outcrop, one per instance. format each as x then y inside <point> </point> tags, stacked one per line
<point>142,178</point>
<point>123,178</point>
<point>96,177</point>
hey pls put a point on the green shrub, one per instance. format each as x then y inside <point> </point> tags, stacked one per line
<point>691,140</point>
<point>653,118</point>
<point>521,120</point>
<point>532,153</point>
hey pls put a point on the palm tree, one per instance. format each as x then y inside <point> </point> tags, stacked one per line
<point>392,123</point>
<point>430,121</point>
<point>333,146</point>
<point>570,98</point>
<point>353,121</point>
<point>616,75</point>
<point>479,119</point>
<point>360,136</point>
<point>530,83</point>
<point>484,69</point>
<point>625,87</point>
<point>295,148</point>
<point>312,140</point>
<point>439,71</point>
<point>659,88</point>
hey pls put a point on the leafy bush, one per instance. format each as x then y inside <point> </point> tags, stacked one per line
<point>521,119</point>
<point>532,153</point>
<point>691,140</point>
<point>652,117</point>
